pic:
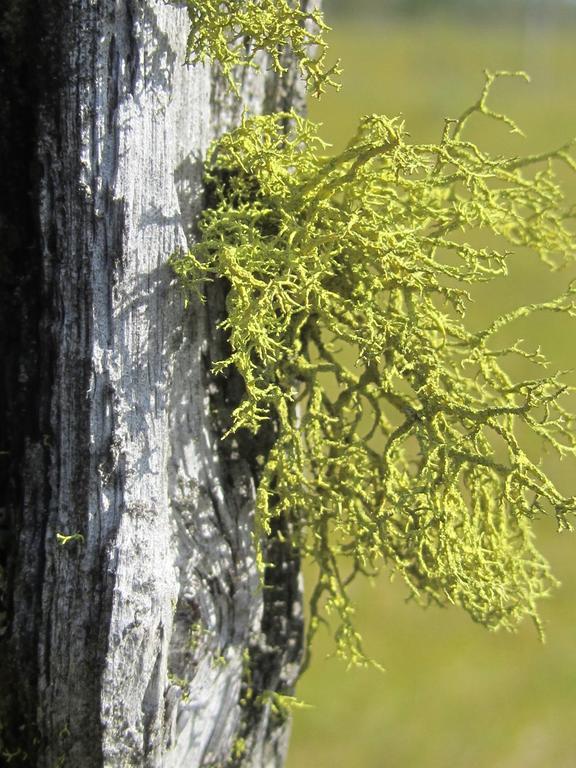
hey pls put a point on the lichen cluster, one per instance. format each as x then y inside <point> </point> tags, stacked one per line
<point>233,32</point>
<point>398,425</point>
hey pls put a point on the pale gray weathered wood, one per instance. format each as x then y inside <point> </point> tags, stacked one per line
<point>135,645</point>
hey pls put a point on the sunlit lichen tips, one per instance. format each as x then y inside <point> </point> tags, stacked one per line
<point>399,425</point>
<point>234,32</point>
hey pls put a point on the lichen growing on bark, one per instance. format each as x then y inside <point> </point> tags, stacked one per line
<point>233,32</point>
<point>398,424</point>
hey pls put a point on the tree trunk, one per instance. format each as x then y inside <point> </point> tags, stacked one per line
<point>146,638</point>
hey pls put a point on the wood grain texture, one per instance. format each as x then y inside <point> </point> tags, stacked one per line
<point>135,645</point>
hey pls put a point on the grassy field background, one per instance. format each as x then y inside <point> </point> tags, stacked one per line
<point>454,695</point>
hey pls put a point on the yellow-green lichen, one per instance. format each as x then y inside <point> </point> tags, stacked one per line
<point>239,748</point>
<point>64,539</point>
<point>281,705</point>
<point>398,425</point>
<point>233,32</point>
<point>181,683</point>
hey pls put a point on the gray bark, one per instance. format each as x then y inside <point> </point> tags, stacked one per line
<point>150,640</point>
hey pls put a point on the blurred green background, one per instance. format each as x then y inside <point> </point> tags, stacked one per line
<point>454,695</point>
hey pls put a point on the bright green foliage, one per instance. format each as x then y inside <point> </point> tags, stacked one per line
<point>233,32</point>
<point>398,425</point>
